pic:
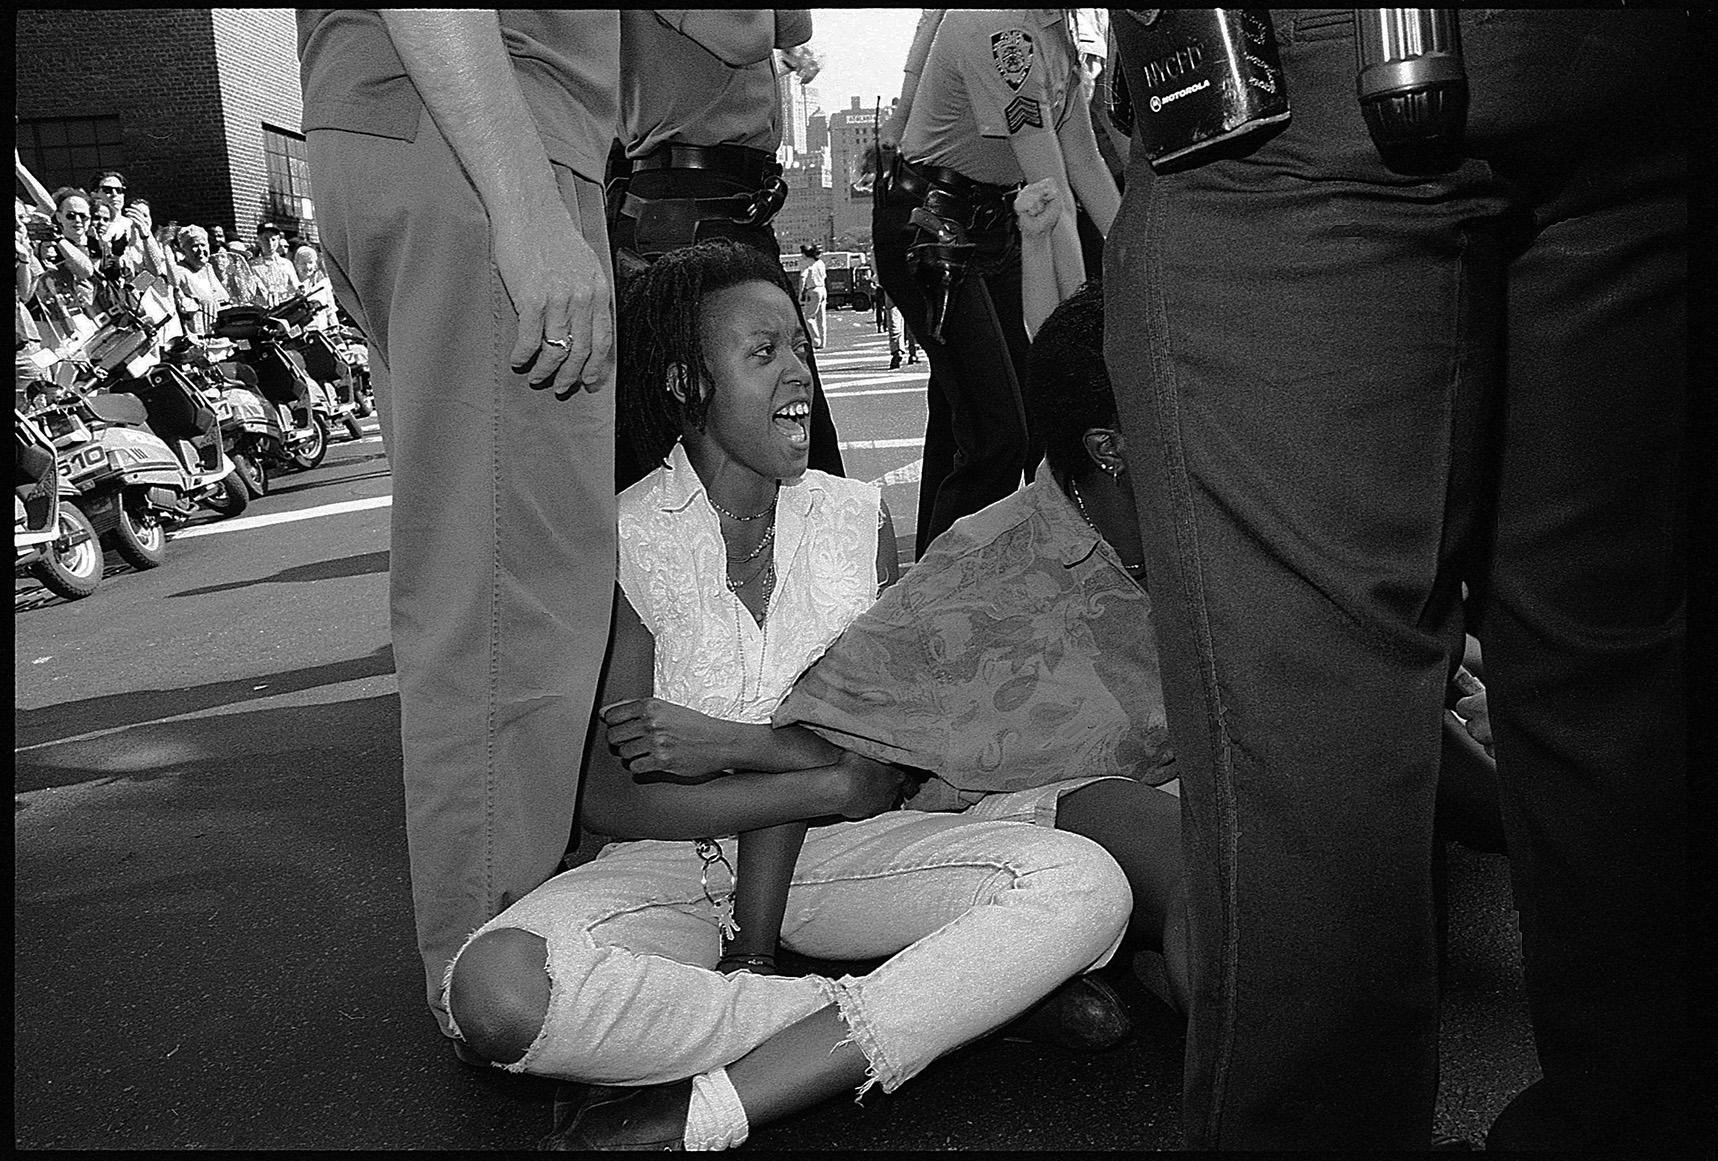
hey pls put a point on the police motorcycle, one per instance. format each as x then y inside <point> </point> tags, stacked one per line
<point>52,539</point>
<point>352,350</point>
<point>303,408</point>
<point>319,352</point>
<point>231,392</point>
<point>134,435</point>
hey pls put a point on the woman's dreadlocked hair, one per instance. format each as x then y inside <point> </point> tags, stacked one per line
<point>659,318</point>
<point>1067,386</point>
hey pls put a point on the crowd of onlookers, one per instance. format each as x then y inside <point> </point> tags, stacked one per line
<point>71,259</point>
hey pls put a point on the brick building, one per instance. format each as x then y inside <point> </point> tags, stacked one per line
<point>199,107</point>
<point>851,133</point>
<point>804,218</point>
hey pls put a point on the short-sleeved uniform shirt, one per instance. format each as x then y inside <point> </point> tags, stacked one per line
<point>567,62</point>
<point>991,74</point>
<point>673,90</point>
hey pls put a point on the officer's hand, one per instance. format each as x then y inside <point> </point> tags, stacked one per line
<point>1476,716</point>
<point>1039,207</point>
<point>802,59</point>
<point>889,136</point>
<point>560,287</point>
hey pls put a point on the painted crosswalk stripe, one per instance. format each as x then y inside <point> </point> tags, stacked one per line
<point>874,444</point>
<point>245,523</point>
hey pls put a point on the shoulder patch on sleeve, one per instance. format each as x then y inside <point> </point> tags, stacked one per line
<point>1011,49</point>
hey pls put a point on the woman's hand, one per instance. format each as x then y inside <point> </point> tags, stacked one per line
<point>869,787</point>
<point>1039,208</point>
<point>655,736</point>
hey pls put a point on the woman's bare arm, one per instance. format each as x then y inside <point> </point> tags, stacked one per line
<point>618,804</point>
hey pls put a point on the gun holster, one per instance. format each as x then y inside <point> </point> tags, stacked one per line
<point>939,265</point>
<point>662,224</point>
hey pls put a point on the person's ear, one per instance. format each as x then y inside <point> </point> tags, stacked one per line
<point>1107,448</point>
<point>675,382</point>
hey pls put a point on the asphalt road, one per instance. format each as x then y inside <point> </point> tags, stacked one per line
<point>213,940</point>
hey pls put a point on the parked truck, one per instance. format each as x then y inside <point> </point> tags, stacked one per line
<point>849,282</point>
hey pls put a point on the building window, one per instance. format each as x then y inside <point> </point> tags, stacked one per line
<point>68,150</point>
<point>288,181</point>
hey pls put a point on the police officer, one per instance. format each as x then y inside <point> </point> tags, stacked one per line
<point>999,102</point>
<point>700,127</point>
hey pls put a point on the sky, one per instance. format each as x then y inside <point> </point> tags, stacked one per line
<point>863,50</point>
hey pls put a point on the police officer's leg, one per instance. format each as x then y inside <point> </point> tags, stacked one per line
<point>982,338</point>
<point>1297,434</point>
<point>1584,624</point>
<point>503,530</point>
<point>891,235</point>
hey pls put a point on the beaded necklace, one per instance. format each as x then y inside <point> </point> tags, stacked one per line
<point>736,515</point>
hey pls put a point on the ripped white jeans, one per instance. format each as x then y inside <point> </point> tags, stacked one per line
<point>982,920</point>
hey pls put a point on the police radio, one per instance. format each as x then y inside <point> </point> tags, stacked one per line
<point>1198,80</point>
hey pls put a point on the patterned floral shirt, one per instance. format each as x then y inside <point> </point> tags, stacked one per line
<point>710,654</point>
<point>1017,652</point>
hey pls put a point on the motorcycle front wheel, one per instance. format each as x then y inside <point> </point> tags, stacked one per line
<point>140,539</point>
<point>311,454</point>
<point>233,498</point>
<point>71,570</point>
<point>253,473</point>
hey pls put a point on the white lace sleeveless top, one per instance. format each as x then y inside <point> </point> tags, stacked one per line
<point>710,654</point>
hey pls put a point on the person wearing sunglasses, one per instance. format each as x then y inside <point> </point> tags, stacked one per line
<point>69,269</point>
<point>129,235</point>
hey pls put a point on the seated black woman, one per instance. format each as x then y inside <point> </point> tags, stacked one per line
<point>737,568</point>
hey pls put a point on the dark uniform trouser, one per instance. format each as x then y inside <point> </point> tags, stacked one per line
<point>1346,391</point>
<point>503,541</point>
<point>978,443</point>
<point>825,455</point>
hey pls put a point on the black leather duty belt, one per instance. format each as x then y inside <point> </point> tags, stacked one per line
<point>917,179</point>
<point>757,171</point>
<point>751,166</point>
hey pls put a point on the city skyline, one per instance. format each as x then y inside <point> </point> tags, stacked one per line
<point>863,52</point>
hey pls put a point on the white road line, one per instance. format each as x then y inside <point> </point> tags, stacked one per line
<point>900,475</point>
<point>873,444</point>
<point>916,390</point>
<point>244,523</point>
<point>905,474</point>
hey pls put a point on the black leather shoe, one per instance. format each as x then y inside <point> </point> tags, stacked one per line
<point>1084,1014</point>
<point>894,361</point>
<point>633,1120</point>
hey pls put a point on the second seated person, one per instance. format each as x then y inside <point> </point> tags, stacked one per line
<point>606,973</point>
<point>998,103</point>
<point>700,124</point>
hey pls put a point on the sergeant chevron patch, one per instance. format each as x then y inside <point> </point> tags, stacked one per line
<point>1023,111</point>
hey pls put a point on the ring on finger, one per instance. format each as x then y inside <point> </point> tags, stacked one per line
<point>563,344</point>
